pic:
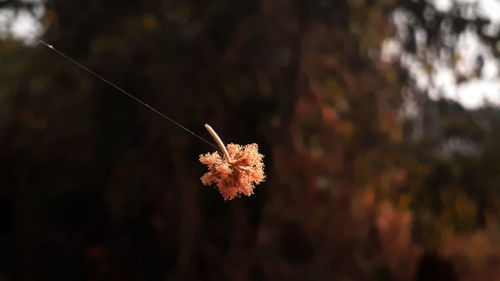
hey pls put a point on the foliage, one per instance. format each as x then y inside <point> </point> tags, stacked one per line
<point>96,187</point>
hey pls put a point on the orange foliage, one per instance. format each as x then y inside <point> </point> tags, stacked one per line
<point>238,176</point>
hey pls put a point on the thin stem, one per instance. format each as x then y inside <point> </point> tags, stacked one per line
<point>219,142</point>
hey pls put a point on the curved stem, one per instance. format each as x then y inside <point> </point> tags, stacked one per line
<point>219,142</point>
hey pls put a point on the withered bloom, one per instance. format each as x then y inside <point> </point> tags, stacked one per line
<point>235,172</point>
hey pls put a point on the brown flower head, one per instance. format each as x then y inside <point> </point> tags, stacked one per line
<point>235,172</point>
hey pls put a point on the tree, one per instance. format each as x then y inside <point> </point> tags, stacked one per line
<point>97,187</point>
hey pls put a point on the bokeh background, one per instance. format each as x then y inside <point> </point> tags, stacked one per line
<point>378,119</point>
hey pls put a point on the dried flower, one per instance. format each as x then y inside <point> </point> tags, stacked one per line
<point>235,172</point>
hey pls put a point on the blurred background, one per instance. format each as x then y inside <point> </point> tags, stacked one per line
<point>379,122</point>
